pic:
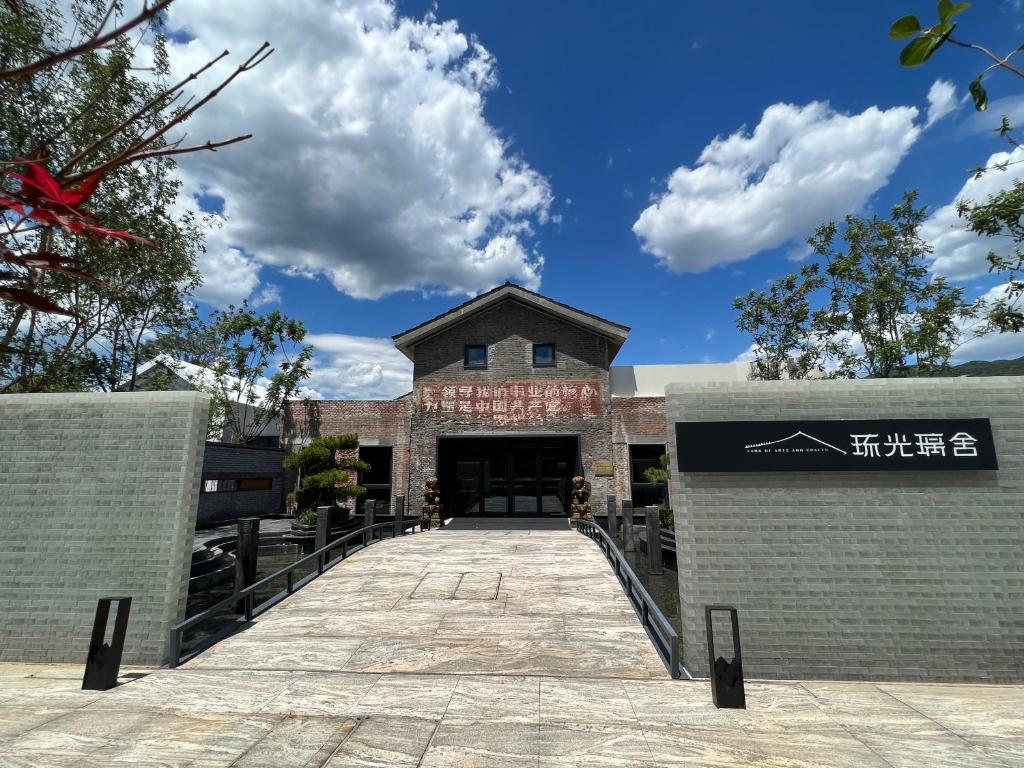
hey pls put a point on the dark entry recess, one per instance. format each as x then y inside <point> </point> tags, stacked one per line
<point>507,476</point>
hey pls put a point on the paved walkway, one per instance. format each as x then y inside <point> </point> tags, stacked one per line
<point>480,648</point>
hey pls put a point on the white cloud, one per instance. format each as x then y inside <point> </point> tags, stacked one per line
<point>372,162</point>
<point>941,101</point>
<point>958,253</point>
<point>748,355</point>
<point>993,346</point>
<point>229,277</point>
<point>754,191</point>
<point>358,367</point>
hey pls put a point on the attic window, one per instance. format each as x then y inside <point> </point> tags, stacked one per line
<point>543,355</point>
<point>476,356</point>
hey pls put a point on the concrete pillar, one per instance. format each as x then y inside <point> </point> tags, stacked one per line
<point>247,551</point>
<point>323,526</point>
<point>399,514</point>
<point>613,517</point>
<point>628,542</point>
<point>654,565</point>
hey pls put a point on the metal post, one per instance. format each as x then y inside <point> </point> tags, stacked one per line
<point>104,661</point>
<point>628,542</point>
<point>613,517</point>
<point>654,564</point>
<point>247,552</point>
<point>369,516</point>
<point>323,526</point>
<point>727,690</point>
<point>400,514</point>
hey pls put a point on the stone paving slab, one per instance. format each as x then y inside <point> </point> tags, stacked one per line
<point>353,671</point>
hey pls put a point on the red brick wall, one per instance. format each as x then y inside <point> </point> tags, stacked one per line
<point>384,420</point>
<point>634,417</point>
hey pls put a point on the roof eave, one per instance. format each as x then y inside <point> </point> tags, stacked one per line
<point>613,332</point>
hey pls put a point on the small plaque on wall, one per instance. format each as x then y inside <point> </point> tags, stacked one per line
<point>604,468</point>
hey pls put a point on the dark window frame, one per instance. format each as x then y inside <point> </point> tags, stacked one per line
<point>474,366</point>
<point>554,356</point>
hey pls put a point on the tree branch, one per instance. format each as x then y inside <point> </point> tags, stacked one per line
<point>94,42</point>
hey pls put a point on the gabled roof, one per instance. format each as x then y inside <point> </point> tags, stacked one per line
<point>198,377</point>
<point>613,332</point>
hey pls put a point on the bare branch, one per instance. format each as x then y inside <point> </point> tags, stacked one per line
<point>94,42</point>
<point>169,94</point>
<point>135,151</point>
<point>211,146</point>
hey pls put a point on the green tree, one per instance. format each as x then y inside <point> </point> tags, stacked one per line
<point>866,307</point>
<point>324,478</point>
<point>779,320</point>
<point>258,363</point>
<point>99,342</point>
<point>73,108</point>
<point>1000,215</point>
<point>885,315</point>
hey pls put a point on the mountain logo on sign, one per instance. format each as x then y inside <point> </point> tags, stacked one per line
<point>798,442</point>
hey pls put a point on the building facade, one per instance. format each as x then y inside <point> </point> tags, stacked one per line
<point>513,394</point>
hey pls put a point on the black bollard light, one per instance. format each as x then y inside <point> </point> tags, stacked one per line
<point>247,551</point>
<point>613,517</point>
<point>628,541</point>
<point>727,690</point>
<point>104,661</point>
<point>655,567</point>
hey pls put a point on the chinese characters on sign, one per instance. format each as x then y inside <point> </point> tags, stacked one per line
<point>512,403</point>
<point>961,444</point>
<point>843,446</point>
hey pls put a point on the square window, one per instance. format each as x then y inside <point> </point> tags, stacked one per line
<point>476,356</point>
<point>543,355</point>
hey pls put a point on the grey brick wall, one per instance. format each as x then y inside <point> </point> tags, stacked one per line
<point>99,496</point>
<point>224,461</point>
<point>510,330</point>
<point>910,576</point>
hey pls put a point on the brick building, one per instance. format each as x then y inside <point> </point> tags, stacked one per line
<point>513,394</point>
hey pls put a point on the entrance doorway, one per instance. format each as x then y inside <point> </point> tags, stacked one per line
<point>506,476</point>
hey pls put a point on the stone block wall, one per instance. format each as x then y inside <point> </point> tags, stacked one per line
<point>857,575</point>
<point>99,499</point>
<point>224,461</point>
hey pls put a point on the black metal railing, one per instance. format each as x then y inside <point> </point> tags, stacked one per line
<point>348,544</point>
<point>663,635</point>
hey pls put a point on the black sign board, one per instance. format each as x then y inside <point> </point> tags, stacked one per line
<point>884,445</point>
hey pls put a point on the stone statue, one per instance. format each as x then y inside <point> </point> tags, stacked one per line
<point>431,503</point>
<point>580,505</point>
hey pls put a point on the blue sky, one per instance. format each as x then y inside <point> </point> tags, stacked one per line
<point>595,106</point>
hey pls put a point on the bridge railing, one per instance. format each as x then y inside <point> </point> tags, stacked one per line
<point>663,635</point>
<point>246,597</point>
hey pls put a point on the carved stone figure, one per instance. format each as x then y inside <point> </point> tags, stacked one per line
<point>431,503</point>
<point>580,505</point>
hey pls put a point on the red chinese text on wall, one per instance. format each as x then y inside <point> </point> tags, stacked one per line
<point>512,402</point>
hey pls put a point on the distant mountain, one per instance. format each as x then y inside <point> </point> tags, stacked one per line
<point>987,368</point>
<point>978,368</point>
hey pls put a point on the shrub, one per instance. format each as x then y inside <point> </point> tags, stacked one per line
<point>324,479</point>
<point>667,518</point>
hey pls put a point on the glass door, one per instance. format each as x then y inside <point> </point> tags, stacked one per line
<point>467,487</point>
<point>496,484</point>
<point>524,482</point>
<point>554,484</point>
